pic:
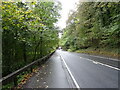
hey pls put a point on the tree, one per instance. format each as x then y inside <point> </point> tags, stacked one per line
<point>28,32</point>
<point>93,25</point>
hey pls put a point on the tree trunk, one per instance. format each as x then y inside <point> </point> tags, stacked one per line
<point>24,53</point>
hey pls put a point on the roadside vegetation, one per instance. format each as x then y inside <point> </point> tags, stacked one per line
<point>28,34</point>
<point>93,28</point>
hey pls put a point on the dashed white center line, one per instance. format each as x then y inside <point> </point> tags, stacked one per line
<point>95,62</point>
<point>104,57</point>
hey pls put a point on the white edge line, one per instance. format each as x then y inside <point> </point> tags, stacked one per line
<point>75,82</point>
<point>101,63</point>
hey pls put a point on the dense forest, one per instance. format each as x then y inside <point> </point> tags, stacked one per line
<point>29,30</point>
<point>28,33</point>
<point>93,26</point>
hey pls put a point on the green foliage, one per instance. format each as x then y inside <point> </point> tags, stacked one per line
<point>28,32</point>
<point>93,25</point>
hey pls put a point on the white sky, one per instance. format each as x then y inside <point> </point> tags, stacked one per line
<point>67,5</point>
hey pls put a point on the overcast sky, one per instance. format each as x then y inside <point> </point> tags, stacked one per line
<point>67,5</point>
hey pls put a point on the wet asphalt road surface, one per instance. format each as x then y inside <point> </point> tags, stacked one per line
<point>88,74</point>
<point>50,75</point>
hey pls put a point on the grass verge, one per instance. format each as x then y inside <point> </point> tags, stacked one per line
<point>111,53</point>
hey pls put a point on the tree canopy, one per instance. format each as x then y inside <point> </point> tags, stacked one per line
<point>28,32</point>
<point>93,25</point>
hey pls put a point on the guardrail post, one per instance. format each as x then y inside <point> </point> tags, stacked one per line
<point>15,81</point>
<point>38,63</point>
<point>31,69</point>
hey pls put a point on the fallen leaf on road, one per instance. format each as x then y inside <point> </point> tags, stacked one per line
<point>46,86</point>
<point>43,66</point>
<point>37,80</point>
<point>45,73</point>
<point>44,82</point>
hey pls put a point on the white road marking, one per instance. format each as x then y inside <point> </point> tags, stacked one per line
<point>104,58</point>
<point>95,62</point>
<point>75,82</point>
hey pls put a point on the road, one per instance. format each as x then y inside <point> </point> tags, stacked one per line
<point>90,74</point>
<point>70,70</point>
<point>51,75</point>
